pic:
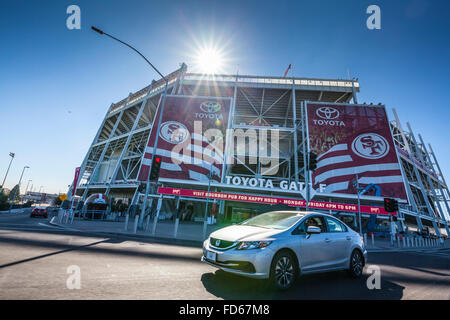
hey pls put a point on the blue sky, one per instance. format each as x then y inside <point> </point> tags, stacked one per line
<point>56,84</point>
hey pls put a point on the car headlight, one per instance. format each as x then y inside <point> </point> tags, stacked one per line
<point>247,245</point>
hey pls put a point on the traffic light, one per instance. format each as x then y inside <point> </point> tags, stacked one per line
<point>312,161</point>
<point>390,205</point>
<point>154,170</point>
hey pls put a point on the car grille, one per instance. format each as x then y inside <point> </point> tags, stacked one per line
<point>221,244</point>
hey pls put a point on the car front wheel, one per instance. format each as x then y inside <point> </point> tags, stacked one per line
<point>356,264</point>
<point>283,271</point>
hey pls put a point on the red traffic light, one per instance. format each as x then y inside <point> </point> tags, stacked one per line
<point>157,159</point>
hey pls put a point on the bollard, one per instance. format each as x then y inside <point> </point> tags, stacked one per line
<point>175,229</point>
<point>136,220</point>
<point>365,239</point>
<point>147,222</point>
<point>398,241</point>
<point>126,222</point>
<point>373,240</point>
<point>403,242</point>
<point>155,221</point>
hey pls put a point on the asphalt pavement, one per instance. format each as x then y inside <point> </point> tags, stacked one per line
<point>37,261</point>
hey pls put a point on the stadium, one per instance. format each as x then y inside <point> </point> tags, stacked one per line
<point>356,147</point>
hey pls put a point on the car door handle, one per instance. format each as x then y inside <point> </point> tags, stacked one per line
<point>327,240</point>
<point>348,238</point>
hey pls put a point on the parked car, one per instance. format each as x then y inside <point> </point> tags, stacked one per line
<point>281,245</point>
<point>39,212</point>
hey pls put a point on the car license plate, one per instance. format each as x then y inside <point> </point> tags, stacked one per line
<point>211,255</point>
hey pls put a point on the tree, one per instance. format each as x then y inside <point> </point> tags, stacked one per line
<point>14,192</point>
<point>4,203</point>
<point>57,201</point>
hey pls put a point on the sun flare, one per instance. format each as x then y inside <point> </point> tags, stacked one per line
<point>209,60</point>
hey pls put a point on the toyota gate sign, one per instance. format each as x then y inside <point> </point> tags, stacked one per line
<point>354,139</point>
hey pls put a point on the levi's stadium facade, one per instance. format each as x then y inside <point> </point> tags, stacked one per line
<point>356,145</point>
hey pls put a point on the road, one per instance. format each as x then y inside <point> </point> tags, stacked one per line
<point>35,257</point>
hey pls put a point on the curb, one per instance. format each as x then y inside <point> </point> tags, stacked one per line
<point>185,242</point>
<point>404,250</point>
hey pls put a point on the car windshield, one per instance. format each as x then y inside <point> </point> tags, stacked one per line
<point>274,219</point>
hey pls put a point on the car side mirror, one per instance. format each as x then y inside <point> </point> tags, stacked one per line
<point>312,230</point>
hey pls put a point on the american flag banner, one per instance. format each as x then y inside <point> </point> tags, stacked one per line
<point>354,139</point>
<point>191,138</point>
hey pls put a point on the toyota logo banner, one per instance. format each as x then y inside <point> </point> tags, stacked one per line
<point>354,139</point>
<point>191,138</point>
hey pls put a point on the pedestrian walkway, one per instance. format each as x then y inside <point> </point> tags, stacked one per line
<point>192,231</point>
<point>403,244</point>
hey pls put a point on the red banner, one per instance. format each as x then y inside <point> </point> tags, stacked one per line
<point>184,123</point>
<point>272,200</point>
<point>75,180</point>
<point>351,139</point>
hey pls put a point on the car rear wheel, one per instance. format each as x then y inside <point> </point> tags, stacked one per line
<point>356,264</point>
<point>283,271</point>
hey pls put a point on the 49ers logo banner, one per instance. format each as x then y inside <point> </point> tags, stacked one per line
<point>191,138</point>
<point>353,139</point>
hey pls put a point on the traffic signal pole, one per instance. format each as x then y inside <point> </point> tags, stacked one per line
<point>147,189</point>
<point>359,204</point>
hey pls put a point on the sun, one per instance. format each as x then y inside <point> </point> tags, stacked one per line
<point>209,60</point>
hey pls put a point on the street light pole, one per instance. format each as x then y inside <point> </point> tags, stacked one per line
<point>11,154</point>
<point>40,199</point>
<point>141,218</point>
<point>15,192</point>
<point>26,190</point>
<point>27,186</point>
<point>205,217</point>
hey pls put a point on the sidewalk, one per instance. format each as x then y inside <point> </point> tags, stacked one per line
<point>413,244</point>
<point>188,231</point>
